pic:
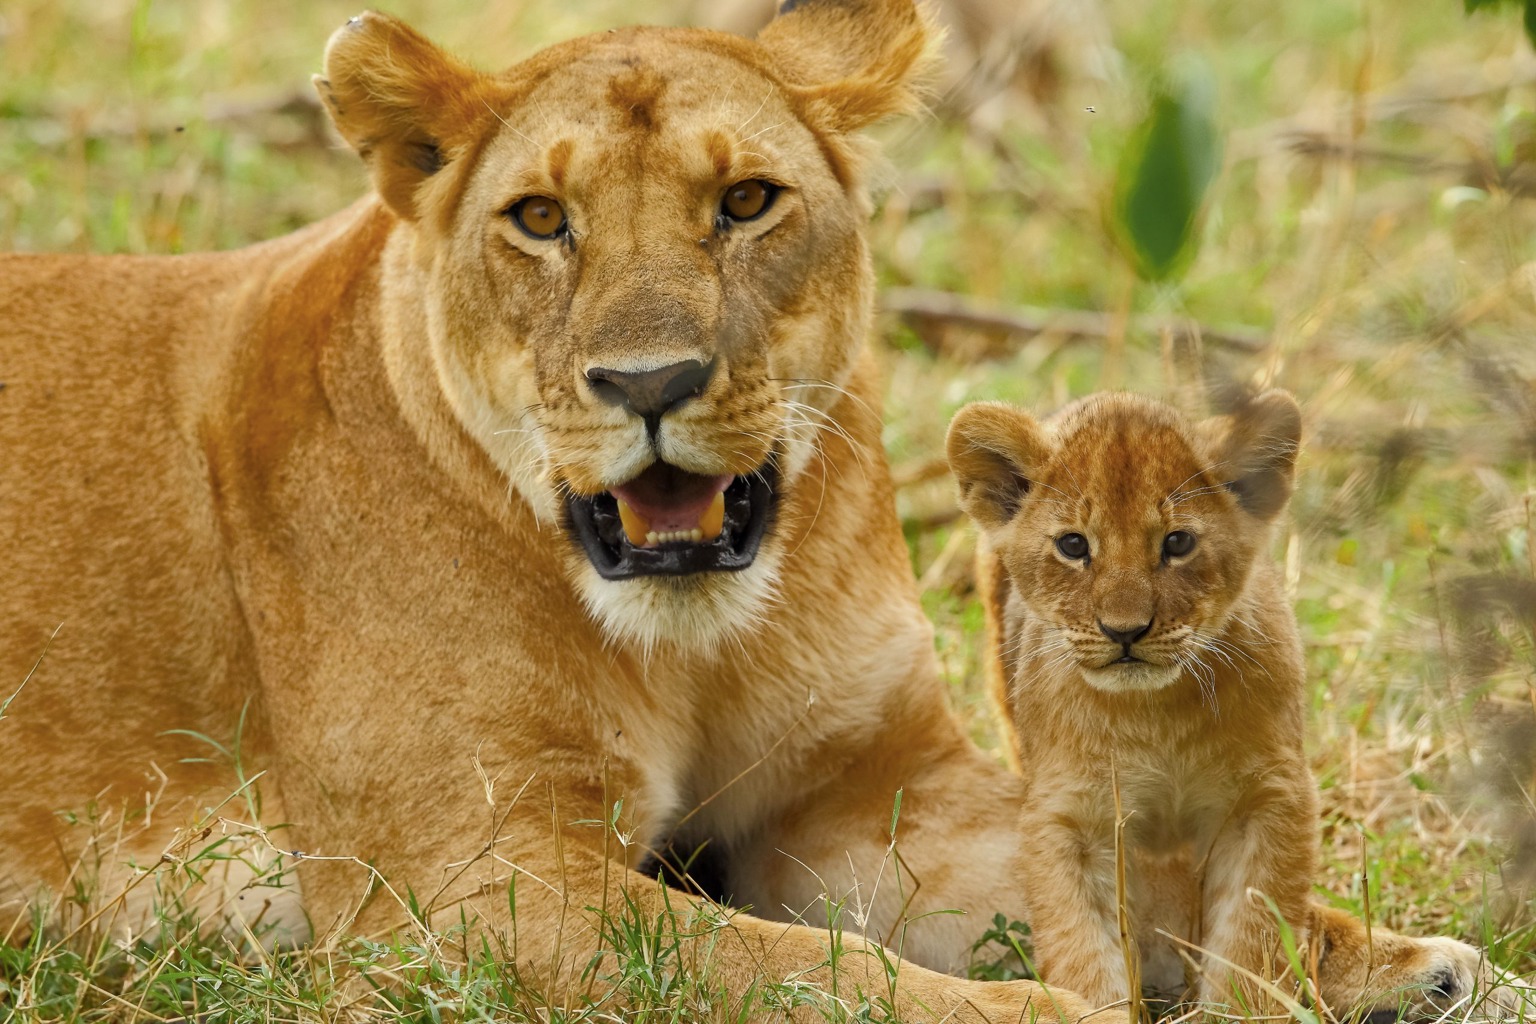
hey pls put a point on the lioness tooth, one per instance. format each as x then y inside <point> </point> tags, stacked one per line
<point>695,534</point>
<point>635,526</point>
<point>713,519</point>
<point>650,538</point>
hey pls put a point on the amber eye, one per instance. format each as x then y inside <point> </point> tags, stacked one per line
<point>539,216</point>
<point>748,200</point>
<point>1073,545</point>
<point>1177,544</point>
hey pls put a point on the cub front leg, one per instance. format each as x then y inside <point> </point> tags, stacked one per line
<point>1261,863</point>
<point>1068,866</point>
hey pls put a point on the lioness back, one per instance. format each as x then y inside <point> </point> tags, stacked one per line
<point>116,571</point>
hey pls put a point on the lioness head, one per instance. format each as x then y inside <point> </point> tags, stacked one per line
<point>1128,531</point>
<point>637,259</point>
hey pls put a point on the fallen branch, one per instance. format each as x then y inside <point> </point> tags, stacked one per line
<point>921,305</point>
<point>1410,98</point>
<point>60,125</point>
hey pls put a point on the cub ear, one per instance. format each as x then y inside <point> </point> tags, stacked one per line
<point>402,103</point>
<point>855,61</point>
<point>1255,448</point>
<point>994,451</point>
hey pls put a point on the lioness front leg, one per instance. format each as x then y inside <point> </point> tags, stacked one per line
<point>1391,973</point>
<point>773,970</point>
<point>578,906</point>
<point>929,892</point>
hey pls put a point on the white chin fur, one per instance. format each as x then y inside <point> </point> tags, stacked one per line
<point>1137,677</point>
<point>697,613</point>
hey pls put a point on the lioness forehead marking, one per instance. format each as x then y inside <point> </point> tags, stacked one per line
<point>721,152</point>
<point>560,161</point>
<point>636,92</point>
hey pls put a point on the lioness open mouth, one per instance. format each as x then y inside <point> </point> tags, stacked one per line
<point>670,522</point>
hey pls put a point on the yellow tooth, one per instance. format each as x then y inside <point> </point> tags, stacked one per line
<point>713,519</point>
<point>635,526</point>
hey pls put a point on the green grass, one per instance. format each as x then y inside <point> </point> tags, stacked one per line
<point>1371,219</point>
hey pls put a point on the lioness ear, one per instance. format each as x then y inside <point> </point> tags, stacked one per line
<point>994,451</point>
<point>1256,448</point>
<point>402,103</point>
<point>856,61</point>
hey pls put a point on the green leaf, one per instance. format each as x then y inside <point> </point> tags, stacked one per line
<point>1173,156</point>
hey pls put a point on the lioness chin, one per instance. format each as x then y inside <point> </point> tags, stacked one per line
<point>1153,675</point>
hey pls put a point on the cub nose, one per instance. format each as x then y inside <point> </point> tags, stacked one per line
<point>649,394</point>
<point>1124,637</point>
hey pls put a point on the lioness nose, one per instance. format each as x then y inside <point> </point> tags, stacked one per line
<point>1124,636</point>
<point>649,394</point>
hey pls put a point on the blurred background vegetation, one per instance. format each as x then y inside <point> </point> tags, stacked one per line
<point>1357,227</point>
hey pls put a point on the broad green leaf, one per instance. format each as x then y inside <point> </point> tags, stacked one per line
<point>1168,166</point>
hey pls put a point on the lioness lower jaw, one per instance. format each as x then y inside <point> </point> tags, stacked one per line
<point>673,557</point>
<point>670,522</point>
<point>695,613</point>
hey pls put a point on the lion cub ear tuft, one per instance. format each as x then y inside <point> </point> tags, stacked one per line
<point>402,103</point>
<point>854,61</point>
<point>995,450</point>
<point>1256,447</point>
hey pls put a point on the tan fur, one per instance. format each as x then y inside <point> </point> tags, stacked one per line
<point>1201,736</point>
<point>312,486</point>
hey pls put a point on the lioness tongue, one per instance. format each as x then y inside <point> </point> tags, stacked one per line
<point>669,504</point>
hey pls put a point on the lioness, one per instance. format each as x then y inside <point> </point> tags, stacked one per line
<point>521,521</point>
<point>1153,674</point>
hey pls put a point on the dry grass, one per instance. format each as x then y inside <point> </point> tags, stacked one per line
<point>1371,230</point>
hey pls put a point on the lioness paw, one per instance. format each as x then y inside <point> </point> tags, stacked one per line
<point>1430,978</point>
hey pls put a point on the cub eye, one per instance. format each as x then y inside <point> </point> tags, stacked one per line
<point>1178,543</point>
<point>1073,545</point>
<point>539,217</point>
<point>748,200</point>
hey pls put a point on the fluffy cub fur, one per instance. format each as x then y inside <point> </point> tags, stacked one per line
<point>1154,677</point>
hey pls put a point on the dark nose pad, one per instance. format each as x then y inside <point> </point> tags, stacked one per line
<point>649,394</point>
<point>1125,637</point>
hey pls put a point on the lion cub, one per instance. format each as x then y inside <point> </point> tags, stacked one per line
<point>1148,648</point>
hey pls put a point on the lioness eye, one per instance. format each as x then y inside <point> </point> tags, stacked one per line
<point>539,216</point>
<point>1178,543</point>
<point>1073,545</point>
<point>748,200</point>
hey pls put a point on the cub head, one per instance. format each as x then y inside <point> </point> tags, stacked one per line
<point>637,261</point>
<point>1128,531</point>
